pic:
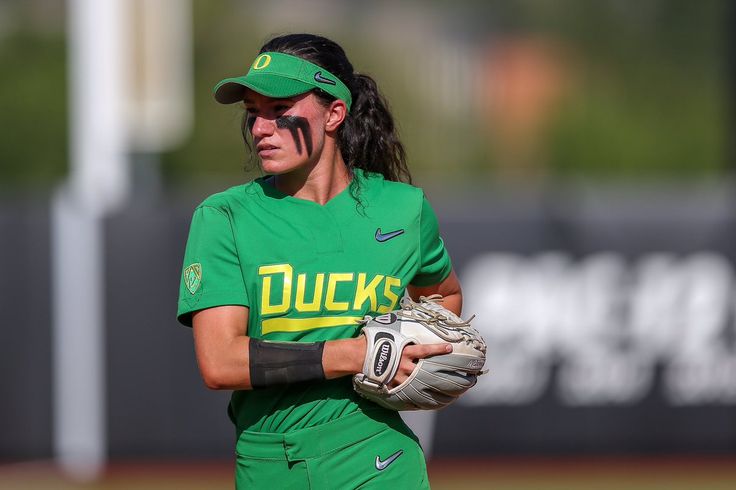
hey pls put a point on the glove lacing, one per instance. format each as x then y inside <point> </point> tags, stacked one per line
<point>419,312</point>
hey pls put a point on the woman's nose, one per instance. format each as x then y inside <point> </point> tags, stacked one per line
<point>262,127</point>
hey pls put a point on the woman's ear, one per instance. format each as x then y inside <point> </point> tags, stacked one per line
<point>337,112</point>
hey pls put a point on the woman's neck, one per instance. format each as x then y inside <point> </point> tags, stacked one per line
<point>318,183</point>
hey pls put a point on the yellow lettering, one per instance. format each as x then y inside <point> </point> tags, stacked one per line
<point>332,281</point>
<point>363,292</point>
<point>268,270</point>
<point>278,278</point>
<point>390,281</point>
<point>261,62</point>
<point>316,303</point>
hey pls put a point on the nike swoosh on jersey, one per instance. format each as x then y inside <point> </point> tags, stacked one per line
<point>382,465</point>
<point>382,237</point>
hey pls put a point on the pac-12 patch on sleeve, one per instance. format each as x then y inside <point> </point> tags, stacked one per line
<point>193,277</point>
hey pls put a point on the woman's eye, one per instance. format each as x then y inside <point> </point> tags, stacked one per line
<point>281,108</point>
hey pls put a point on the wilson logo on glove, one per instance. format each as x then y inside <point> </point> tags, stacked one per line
<point>385,353</point>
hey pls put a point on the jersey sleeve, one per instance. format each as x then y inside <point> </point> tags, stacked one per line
<point>435,264</point>
<point>211,274</point>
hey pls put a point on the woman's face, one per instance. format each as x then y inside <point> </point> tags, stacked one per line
<point>288,134</point>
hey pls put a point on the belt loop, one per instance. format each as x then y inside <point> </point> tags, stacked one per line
<point>290,448</point>
<point>285,447</point>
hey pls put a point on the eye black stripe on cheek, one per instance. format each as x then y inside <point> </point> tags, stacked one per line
<point>295,124</point>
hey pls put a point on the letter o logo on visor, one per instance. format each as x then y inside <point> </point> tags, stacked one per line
<point>261,62</point>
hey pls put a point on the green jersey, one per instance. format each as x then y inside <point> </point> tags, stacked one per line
<point>308,272</point>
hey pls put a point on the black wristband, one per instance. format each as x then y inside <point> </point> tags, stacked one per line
<point>275,363</point>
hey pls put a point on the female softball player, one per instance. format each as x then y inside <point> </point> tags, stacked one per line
<point>278,272</point>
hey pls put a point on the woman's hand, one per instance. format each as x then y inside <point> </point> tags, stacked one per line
<point>411,355</point>
<point>347,356</point>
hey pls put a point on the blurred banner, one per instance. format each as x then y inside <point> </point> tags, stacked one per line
<point>610,317</point>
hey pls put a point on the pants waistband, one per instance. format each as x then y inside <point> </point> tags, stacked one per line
<point>317,441</point>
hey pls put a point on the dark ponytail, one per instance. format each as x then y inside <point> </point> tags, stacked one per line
<point>368,138</point>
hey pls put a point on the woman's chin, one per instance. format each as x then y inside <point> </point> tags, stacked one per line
<point>271,167</point>
<point>274,167</point>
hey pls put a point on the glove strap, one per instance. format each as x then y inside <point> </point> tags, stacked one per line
<point>382,355</point>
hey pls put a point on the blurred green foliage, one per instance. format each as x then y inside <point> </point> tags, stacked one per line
<point>653,96</point>
<point>33,107</point>
<point>649,97</point>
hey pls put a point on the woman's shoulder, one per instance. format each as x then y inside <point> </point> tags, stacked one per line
<point>232,198</point>
<point>389,189</point>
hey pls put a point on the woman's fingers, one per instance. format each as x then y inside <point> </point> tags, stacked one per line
<point>421,351</point>
<point>411,354</point>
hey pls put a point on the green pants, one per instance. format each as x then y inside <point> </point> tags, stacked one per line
<point>361,450</point>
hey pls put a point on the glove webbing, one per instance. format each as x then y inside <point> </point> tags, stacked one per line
<point>420,313</point>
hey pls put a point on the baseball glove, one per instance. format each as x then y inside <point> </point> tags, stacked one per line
<point>436,381</point>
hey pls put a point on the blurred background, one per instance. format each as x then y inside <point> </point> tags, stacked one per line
<point>580,156</point>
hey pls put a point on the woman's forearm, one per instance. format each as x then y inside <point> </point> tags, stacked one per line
<point>229,367</point>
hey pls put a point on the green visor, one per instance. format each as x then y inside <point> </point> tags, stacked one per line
<point>280,75</point>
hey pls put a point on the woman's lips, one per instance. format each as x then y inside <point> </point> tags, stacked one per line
<point>266,151</point>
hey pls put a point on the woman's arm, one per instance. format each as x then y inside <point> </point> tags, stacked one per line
<point>449,289</point>
<point>221,347</point>
<point>223,351</point>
